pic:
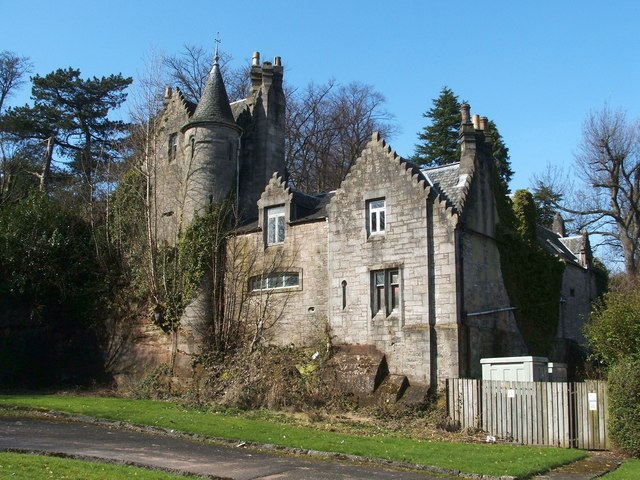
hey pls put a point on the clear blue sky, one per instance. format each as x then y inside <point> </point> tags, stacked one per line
<point>535,68</point>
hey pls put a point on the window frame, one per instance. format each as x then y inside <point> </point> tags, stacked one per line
<point>279,281</point>
<point>376,216</point>
<point>386,291</point>
<point>277,214</point>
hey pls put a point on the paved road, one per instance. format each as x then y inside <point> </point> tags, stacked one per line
<point>161,451</point>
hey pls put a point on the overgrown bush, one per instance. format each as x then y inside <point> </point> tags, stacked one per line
<point>624,405</point>
<point>614,326</point>
<point>52,289</point>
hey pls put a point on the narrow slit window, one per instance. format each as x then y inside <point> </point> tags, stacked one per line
<point>344,294</point>
<point>172,152</point>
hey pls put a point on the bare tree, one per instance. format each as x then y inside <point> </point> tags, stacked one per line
<point>606,201</point>
<point>13,70</point>
<point>190,69</point>
<point>327,128</point>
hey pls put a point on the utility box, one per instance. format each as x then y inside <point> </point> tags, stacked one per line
<point>516,369</point>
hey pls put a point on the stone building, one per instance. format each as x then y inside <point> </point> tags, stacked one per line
<point>399,263</point>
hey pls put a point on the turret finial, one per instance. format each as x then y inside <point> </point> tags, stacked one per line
<point>216,57</point>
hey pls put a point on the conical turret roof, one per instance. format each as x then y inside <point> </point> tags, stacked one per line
<point>214,103</point>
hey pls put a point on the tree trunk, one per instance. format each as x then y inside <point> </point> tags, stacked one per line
<point>46,167</point>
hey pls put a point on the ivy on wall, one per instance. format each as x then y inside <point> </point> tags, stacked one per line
<point>533,277</point>
<point>198,254</point>
<point>168,277</point>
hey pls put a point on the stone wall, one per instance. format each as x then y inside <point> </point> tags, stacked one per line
<point>166,168</point>
<point>404,335</point>
<point>295,315</point>
<point>578,290</point>
<point>490,324</point>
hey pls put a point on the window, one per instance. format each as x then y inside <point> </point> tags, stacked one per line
<point>375,216</point>
<point>344,294</point>
<point>275,225</point>
<point>274,281</point>
<point>173,146</point>
<point>385,291</point>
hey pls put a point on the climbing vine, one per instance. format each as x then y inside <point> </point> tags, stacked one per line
<point>533,277</point>
<point>198,254</point>
<point>168,278</point>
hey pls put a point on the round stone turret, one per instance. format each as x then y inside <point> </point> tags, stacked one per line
<point>211,149</point>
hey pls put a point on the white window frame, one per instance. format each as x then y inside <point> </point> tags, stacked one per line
<point>376,216</point>
<point>275,225</point>
<point>386,291</point>
<point>274,281</point>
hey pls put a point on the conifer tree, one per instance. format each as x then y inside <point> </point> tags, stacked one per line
<point>439,140</point>
<point>500,154</point>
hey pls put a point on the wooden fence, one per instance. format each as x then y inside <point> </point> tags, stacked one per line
<point>534,413</point>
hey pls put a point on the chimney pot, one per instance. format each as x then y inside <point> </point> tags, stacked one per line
<point>476,122</point>
<point>256,59</point>
<point>277,62</point>
<point>483,123</point>
<point>464,111</point>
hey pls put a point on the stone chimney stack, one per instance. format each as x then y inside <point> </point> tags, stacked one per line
<point>558,226</point>
<point>263,138</point>
<point>467,138</point>
<point>256,77</point>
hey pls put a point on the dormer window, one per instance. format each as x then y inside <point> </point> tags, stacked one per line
<point>376,216</point>
<point>275,225</point>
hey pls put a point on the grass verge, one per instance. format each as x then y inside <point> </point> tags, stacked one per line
<point>21,466</point>
<point>496,460</point>
<point>629,470</point>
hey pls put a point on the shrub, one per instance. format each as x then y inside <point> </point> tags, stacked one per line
<point>624,399</point>
<point>614,326</point>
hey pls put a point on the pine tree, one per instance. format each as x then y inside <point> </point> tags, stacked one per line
<point>439,140</point>
<point>500,154</point>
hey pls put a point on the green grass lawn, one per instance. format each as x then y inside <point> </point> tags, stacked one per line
<point>521,461</point>
<point>33,467</point>
<point>629,470</point>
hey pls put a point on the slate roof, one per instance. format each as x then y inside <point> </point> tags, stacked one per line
<point>309,207</point>
<point>567,248</point>
<point>238,107</point>
<point>214,103</point>
<point>446,181</point>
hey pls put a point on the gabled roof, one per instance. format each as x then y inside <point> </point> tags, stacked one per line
<point>567,248</point>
